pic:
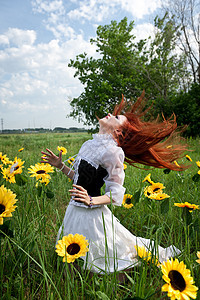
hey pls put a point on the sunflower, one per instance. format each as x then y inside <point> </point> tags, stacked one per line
<point>198,255</point>
<point>43,180</point>
<point>7,201</point>
<point>177,164</point>
<point>159,196</point>
<point>188,157</point>
<point>71,160</point>
<point>179,283</point>
<point>187,205</point>
<point>40,171</point>
<point>3,159</point>
<point>21,149</point>
<point>156,188</point>
<point>63,149</point>
<point>125,166</point>
<point>148,179</point>
<point>198,163</point>
<point>127,201</point>
<point>16,166</point>
<point>146,255</point>
<point>72,247</point>
<point>7,175</point>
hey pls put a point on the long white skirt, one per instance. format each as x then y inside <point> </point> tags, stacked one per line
<point>111,245</point>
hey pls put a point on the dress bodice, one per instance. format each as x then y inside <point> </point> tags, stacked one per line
<point>100,161</point>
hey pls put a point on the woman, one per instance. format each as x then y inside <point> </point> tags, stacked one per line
<point>100,160</point>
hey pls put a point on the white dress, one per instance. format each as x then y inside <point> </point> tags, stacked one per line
<point>111,245</point>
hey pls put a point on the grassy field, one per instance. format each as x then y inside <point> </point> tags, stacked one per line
<point>30,267</point>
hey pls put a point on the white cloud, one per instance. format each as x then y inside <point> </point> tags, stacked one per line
<point>52,6</point>
<point>19,37</point>
<point>139,9</point>
<point>143,31</point>
<point>98,10</point>
<point>36,78</point>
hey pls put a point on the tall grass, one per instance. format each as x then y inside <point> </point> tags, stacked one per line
<point>30,268</point>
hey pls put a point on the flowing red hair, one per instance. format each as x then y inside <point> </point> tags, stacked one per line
<point>152,143</point>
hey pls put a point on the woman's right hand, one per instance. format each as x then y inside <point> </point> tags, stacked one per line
<point>52,159</point>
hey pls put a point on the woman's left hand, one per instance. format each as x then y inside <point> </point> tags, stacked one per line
<point>80,194</point>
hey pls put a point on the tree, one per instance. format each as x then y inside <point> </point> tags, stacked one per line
<point>186,107</point>
<point>106,78</point>
<point>165,66</point>
<point>126,67</point>
<point>186,15</point>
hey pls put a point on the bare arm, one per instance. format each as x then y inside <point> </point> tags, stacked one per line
<point>56,161</point>
<point>81,195</point>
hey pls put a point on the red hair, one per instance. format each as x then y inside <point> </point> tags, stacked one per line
<point>152,143</point>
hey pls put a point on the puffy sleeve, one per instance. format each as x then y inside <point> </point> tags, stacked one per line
<point>112,161</point>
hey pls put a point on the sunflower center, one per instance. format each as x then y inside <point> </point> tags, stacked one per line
<point>2,208</point>
<point>40,172</point>
<point>177,281</point>
<point>155,190</point>
<point>73,249</point>
<point>16,168</point>
<point>128,200</point>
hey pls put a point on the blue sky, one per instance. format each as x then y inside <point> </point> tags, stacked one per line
<point>37,40</point>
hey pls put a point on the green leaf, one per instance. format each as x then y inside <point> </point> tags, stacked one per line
<point>164,207</point>
<point>166,171</point>
<point>39,190</point>
<point>196,177</point>
<point>136,197</point>
<point>20,179</point>
<point>102,295</point>
<point>135,298</point>
<point>49,194</point>
<point>5,228</point>
<point>186,215</point>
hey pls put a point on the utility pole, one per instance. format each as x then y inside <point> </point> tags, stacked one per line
<point>1,125</point>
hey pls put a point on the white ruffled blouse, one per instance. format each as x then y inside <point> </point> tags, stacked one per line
<point>103,151</point>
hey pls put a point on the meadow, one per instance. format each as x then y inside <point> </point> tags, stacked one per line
<point>31,269</point>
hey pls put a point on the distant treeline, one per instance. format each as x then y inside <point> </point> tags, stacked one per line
<point>43,130</point>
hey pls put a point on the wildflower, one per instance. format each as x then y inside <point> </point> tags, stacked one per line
<point>146,255</point>
<point>4,160</point>
<point>21,149</point>
<point>125,166</point>
<point>7,201</point>
<point>63,149</point>
<point>154,191</point>
<point>177,164</point>
<point>127,201</point>
<point>40,172</point>
<point>179,283</point>
<point>156,188</point>
<point>72,247</point>
<point>188,157</point>
<point>148,179</point>
<point>10,177</point>
<point>187,205</point>
<point>198,255</point>
<point>159,196</point>
<point>16,166</point>
<point>198,163</point>
<point>71,160</point>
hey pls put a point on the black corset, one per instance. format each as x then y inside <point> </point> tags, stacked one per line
<point>91,178</point>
